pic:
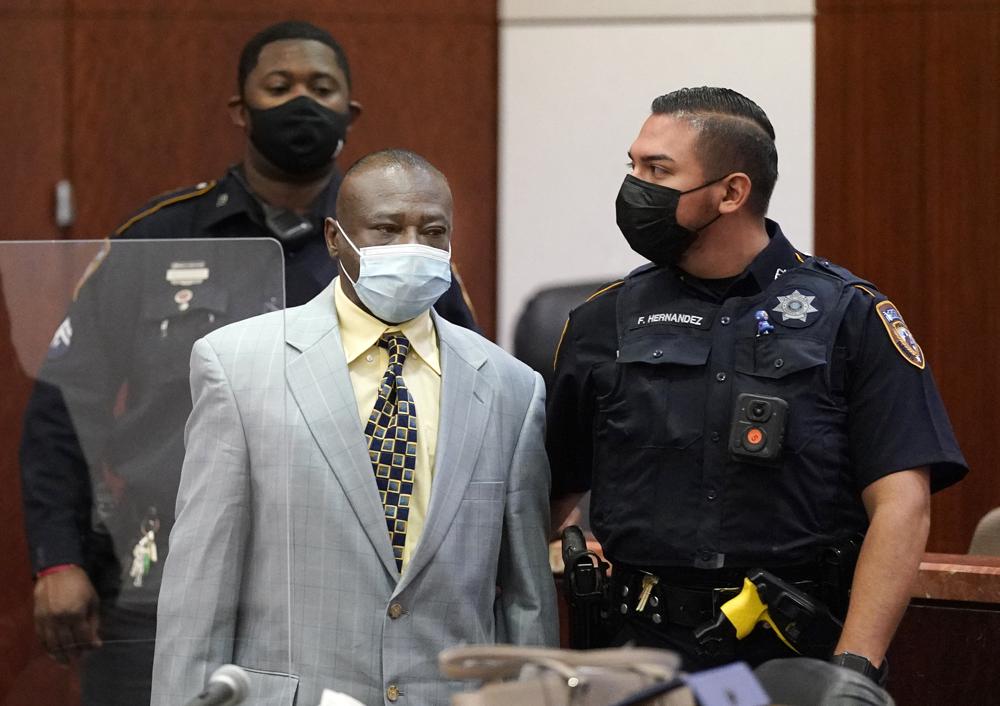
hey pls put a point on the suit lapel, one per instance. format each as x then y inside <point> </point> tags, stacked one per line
<point>321,385</point>
<point>465,405</point>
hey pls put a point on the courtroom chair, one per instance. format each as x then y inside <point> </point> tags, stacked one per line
<point>540,324</point>
<point>803,681</point>
<point>986,538</point>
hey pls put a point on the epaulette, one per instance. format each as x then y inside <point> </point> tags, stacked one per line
<point>166,199</point>
<point>606,288</point>
<point>641,270</point>
<point>847,276</point>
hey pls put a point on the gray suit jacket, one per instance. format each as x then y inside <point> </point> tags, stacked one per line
<point>280,559</point>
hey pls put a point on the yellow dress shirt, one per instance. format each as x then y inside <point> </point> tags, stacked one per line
<point>367,363</point>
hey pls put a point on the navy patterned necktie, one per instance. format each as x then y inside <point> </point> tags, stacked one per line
<point>392,443</point>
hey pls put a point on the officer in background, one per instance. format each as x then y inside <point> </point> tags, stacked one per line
<point>738,405</point>
<point>103,436</point>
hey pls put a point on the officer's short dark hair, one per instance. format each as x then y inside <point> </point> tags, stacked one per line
<point>291,29</point>
<point>734,135</point>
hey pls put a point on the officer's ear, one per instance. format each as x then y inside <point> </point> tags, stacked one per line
<point>354,109</point>
<point>738,187</point>
<point>237,111</point>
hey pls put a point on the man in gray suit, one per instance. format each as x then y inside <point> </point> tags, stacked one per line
<point>365,484</point>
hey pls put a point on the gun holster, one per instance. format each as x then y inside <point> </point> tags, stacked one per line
<point>586,587</point>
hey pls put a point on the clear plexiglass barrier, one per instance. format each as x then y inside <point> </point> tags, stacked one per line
<point>142,551</point>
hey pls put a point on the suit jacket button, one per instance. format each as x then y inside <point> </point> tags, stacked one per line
<point>395,610</point>
<point>392,692</point>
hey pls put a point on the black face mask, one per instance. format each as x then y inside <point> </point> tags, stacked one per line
<point>298,136</point>
<point>647,217</point>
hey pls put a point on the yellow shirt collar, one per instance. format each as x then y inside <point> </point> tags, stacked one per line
<point>359,331</point>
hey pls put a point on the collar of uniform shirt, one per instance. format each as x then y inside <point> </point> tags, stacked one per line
<point>359,331</point>
<point>777,255</point>
<point>232,197</point>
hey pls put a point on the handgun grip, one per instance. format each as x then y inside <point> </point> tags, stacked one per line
<point>574,545</point>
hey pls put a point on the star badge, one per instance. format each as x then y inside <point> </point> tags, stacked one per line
<point>795,307</point>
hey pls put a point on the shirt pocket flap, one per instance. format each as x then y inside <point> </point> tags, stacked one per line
<point>656,350</point>
<point>775,356</point>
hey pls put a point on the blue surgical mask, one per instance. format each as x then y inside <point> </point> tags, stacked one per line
<point>400,282</point>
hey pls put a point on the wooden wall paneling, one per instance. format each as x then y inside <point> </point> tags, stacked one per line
<point>938,655</point>
<point>426,74</point>
<point>34,147</point>
<point>868,136</point>
<point>274,10</point>
<point>33,9</point>
<point>149,111</point>
<point>961,209</point>
<point>32,136</point>
<point>906,147</point>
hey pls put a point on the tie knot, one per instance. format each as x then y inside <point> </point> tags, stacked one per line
<point>397,344</point>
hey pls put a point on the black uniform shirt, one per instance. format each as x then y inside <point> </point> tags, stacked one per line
<point>642,406</point>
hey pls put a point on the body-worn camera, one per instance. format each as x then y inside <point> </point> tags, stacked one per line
<point>758,429</point>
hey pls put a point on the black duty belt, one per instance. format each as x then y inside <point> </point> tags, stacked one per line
<point>655,596</point>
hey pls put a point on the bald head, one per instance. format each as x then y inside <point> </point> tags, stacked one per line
<point>392,197</point>
<point>388,171</point>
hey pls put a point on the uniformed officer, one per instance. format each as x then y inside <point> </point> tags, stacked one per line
<point>737,405</point>
<point>103,439</point>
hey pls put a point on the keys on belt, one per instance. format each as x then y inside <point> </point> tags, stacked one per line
<point>648,581</point>
<point>660,603</point>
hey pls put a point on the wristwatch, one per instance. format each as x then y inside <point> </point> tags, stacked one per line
<point>861,665</point>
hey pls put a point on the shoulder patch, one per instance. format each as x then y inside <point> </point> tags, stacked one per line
<point>164,200</point>
<point>61,340</point>
<point>899,334</point>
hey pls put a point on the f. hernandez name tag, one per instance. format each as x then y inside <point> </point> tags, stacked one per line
<point>672,318</point>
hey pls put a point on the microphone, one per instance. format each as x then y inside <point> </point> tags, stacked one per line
<point>227,686</point>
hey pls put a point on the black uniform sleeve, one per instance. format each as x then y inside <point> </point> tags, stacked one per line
<point>585,369</point>
<point>67,421</point>
<point>897,419</point>
<point>569,418</point>
<point>453,305</point>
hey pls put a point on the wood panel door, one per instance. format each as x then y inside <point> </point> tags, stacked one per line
<point>907,147</point>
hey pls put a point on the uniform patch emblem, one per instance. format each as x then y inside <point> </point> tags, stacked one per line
<point>795,308</point>
<point>61,339</point>
<point>900,335</point>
